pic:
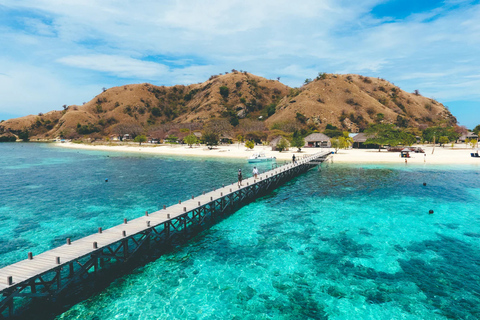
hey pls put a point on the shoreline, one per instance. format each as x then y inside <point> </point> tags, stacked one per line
<point>441,155</point>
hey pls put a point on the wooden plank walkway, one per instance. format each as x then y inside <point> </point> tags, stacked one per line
<point>25,270</point>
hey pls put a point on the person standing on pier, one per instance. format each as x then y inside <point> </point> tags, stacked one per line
<point>293,159</point>
<point>240,178</point>
<point>255,172</point>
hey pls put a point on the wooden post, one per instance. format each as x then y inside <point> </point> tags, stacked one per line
<point>179,201</point>
<point>124,233</point>
<point>125,248</point>
<point>184,226</point>
<point>95,245</point>
<point>99,230</point>
<point>125,220</point>
<point>167,229</point>
<point>148,223</point>
<point>164,207</point>
<point>9,280</point>
<point>146,213</point>
<point>30,256</point>
<point>57,260</point>
<point>184,209</point>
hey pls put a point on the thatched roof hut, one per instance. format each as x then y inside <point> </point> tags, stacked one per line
<point>360,139</point>
<point>273,143</point>
<point>317,140</point>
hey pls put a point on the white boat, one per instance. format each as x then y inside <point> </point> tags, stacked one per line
<point>260,157</point>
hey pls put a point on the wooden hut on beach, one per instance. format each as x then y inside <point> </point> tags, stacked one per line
<point>469,135</point>
<point>359,142</point>
<point>317,140</point>
<point>273,143</point>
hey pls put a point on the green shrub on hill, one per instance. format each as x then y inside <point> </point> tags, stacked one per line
<point>8,139</point>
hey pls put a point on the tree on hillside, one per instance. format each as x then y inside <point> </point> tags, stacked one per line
<point>343,142</point>
<point>471,142</point>
<point>211,139</point>
<point>382,134</point>
<point>443,140</point>
<point>171,139</point>
<point>297,141</point>
<point>335,144</point>
<point>286,126</point>
<point>24,135</point>
<point>224,91</point>
<point>332,131</point>
<point>140,138</point>
<point>249,125</point>
<point>272,134</point>
<point>347,141</point>
<point>218,126</point>
<point>190,140</point>
<point>250,144</point>
<point>256,136</point>
<point>300,117</point>
<point>321,76</point>
<point>282,145</point>
<point>407,138</point>
<point>432,134</point>
<point>130,128</point>
<point>476,129</point>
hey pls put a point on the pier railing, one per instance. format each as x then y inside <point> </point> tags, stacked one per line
<point>52,273</point>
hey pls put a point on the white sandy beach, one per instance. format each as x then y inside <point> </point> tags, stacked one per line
<point>441,155</point>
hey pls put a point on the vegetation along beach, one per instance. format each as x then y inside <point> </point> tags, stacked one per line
<point>146,174</point>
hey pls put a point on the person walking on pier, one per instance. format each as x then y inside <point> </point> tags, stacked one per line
<point>293,159</point>
<point>240,178</point>
<point>255,172</point>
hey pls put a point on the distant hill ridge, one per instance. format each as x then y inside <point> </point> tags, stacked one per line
<point>350,102</point>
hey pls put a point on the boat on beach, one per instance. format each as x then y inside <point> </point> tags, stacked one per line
<point>260,157</point>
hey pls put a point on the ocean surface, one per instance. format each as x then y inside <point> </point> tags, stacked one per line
<point>341,242</point>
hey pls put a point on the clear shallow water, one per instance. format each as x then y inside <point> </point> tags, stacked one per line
<point>346,242</point>
<point>48,194</point>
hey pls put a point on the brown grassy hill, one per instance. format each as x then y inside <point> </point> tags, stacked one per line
<point>354,101</point>
<point>346,101</point>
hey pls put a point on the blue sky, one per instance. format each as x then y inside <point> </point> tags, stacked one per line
<point>64,52</point>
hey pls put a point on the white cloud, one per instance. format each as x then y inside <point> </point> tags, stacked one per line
<point>101,40</point>
<point>124,67</point>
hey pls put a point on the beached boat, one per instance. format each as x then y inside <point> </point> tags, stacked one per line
<point>259,157</point>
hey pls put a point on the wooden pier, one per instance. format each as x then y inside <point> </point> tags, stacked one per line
<point>52,273</point>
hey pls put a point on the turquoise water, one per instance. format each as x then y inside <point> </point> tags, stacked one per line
<point>344,242</point>
<point>49,194</point>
